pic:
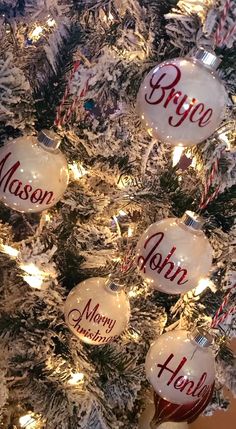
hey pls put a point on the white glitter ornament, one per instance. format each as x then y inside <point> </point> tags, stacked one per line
<point>181,366</point>
<point>97,311</point>
<point>33,173</point>
<point>173,255</point>
<point>182,101</point>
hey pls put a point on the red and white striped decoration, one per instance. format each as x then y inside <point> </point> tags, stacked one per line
<point>206,198</point>
<point>63,118</point>
<point>221,37</point>
<point>220,318</point>
<point>128,260</point>
<point>224,316</point>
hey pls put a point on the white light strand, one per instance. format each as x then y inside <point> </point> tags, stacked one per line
<point>177,152</point>
<point>11,251</point>
<point>77,170</point>
<point>34,277</point>
<point>76,378</point>
<point>202,285</point>
<point>27,421</point>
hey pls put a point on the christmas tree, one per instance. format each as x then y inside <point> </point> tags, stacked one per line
<point>75,67</point>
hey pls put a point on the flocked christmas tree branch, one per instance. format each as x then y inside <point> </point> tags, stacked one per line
<point>121,181</point>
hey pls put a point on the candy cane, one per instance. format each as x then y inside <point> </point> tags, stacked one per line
<point>206,199</point>
<point>228,35</point>
<point>220,39</point>
<point>224,316</point>
<point>58,118</point>
<point>217,319</point>
<point>63,119</point>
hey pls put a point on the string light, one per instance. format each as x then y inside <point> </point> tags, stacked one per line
<point>36,33</point>
<point>77,170</point>
<point>177,152</point>
<point>202,285</point>
<point>117,225</point>
<point>132,293</point>
<point>194,159</point>
<point>138,291</point>
<point>76,378</point>
<point>122,213</point>
<point>47,217</point>
<point>51,22</point>
<point>33,281</point>
<point>34,276</point>
<point>9,250</point>
<point>27,421</point>
<point>130,231</point>
<point>134,336</point>
<point>110,16</point>
<point>223,138</point>
<point>31,269</point>
<point>117,259</point>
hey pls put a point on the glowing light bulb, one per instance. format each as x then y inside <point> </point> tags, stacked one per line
<point>76,378</point>
<point>77,170</point>
<point>177,152</point>
<point>9,250</point>
<point>202,285</point>
<point>51,22</point>
<point>132,293</point>
<point>48,217</point>
<point>117,259</point>
<point>33,281</point>
<point>36,32</point>
<point>122,213</point>
<point>110,16</point>
<point>130,231</point>
<point>27,421</point>
<point>135,336</point>
<point>31,269</point>
<point>223,138</point>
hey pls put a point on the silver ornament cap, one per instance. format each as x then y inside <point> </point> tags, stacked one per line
<point>192,220</point>
<point>202,338</point>
<point>207,58</point>
<point>48,139</point>
<point>114,285</point>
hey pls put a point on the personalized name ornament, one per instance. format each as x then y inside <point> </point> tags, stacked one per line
<point>97,311</point>
<point>182,101</point>
<point>180,366</point>
<point>174,254</point>
<point>33,173</point>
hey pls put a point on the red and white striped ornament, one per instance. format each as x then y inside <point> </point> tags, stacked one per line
<point>64,113</point>
<point>220,318</point>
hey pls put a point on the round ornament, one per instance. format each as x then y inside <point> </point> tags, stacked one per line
<point>33,173</point>
<point>97,311</point>
<point>182,101</point>
<point>181,366</point>
<point>174,254</point>
<point>166,411</point>
<point>149,419</point>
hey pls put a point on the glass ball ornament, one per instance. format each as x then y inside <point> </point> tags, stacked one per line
<point>166,411</point>
<point>173,255</point>
<point>97,311</point>
<point>182,100</point>
<point>33,173</point>
<point>180,366</point>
